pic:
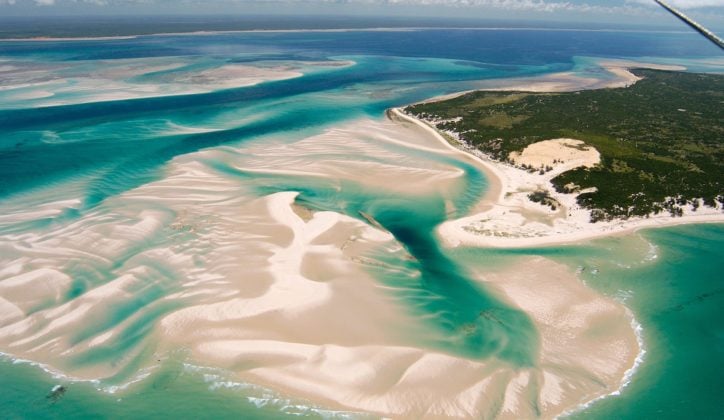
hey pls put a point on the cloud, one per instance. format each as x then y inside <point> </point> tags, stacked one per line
<point>53,2</point>
<point>685,4</point>
<point>544,6</point>
<point>549,6</point>
<point>513,5</point>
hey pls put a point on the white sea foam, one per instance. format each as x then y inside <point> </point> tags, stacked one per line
<point>653,252</point>
<point>261,397</point>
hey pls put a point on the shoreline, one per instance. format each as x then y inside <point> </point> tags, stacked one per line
<point>508,219</point>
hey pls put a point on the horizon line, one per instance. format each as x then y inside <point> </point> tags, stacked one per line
<point>41,38</point>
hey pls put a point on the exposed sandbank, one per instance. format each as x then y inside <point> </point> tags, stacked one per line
<point>284,297</point>
<point>35,84</point>
<point>350,362</point>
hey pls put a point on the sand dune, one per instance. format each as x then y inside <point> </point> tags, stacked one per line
<point>548,153</point>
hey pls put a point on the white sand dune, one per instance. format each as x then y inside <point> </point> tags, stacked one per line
<point>555,153</point>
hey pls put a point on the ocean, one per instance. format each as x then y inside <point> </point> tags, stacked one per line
<point>127,165</point>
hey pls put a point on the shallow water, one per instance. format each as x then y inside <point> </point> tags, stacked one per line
<point>669,279</point>
<point>101,191</point>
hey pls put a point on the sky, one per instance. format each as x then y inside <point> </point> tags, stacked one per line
<point>709,12</point>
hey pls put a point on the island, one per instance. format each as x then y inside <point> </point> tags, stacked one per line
<point>651,149</point>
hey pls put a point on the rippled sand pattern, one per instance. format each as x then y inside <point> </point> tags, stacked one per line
<point>300,290</point>
<point>239,203</point>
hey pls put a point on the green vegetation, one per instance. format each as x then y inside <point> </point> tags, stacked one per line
<point>661,140</point>
<point>544,198</point>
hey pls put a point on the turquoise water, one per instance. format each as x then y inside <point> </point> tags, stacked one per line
<point>670,279</point>
<point>84,151</point>
<point>432,282</point>
<point>678,299</point>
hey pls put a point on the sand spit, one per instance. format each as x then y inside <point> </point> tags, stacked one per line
<point>619,75</point>
<point>619,71</point>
